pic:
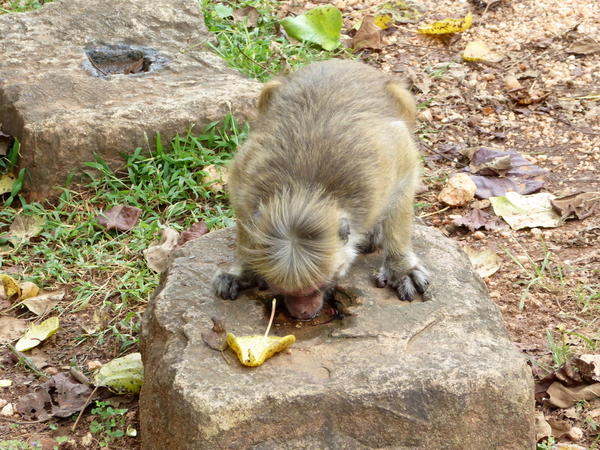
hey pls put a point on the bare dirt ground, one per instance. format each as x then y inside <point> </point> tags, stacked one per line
<point>471,104</point>
<point>466,104</point>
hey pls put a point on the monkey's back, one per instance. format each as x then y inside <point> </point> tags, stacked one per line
<point>332,127</point>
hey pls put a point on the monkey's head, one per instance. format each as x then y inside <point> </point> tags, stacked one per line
<point>297,242</point>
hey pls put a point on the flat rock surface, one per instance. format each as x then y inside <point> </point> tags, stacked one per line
<point>63,110</point>
<point>440,373</point>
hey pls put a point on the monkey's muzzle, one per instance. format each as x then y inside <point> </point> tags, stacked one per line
<point>304,307</point>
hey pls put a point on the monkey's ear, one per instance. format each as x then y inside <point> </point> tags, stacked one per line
<point>344,230</point>
<point>405,100</point>
<point>269,90</point>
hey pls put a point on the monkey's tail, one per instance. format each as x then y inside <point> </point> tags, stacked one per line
<point>406,102</point>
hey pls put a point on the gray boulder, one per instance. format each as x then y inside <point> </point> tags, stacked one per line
<point>438,374</point>
<point>63,109</point>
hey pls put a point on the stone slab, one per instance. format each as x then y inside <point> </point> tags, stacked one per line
<point>438,374</point>
<point>62,113</point>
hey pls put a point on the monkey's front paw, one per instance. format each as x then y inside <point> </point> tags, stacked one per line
<point>227,286</point>
<point>417,280</point>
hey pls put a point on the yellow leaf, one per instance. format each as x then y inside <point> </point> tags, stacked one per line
<point>6,183</point>
<point>447,26</point>
<point>29,290</point>
<point>11,288</point>
<point>254,350</point>
<point>383,21</point>
<point>37,334</point>
<point>477,51</point>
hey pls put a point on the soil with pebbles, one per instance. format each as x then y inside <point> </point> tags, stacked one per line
<point>467,104</point>
<point>550,122</point>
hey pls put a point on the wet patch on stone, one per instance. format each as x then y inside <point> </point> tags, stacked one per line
<point>337,309</point>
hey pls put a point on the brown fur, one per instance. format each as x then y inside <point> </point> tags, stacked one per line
<point>332,146</point>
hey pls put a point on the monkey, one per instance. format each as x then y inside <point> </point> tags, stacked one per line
<point>329,170</point>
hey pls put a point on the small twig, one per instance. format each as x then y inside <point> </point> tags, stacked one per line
<point>487,6</point>
<point>406,44</point>
<point>442,155</point>
<point>26,422</point>
<point>518,62</point>
<point>251,60</point>
<point>274,303</point>
<point>97,68</point>
<point>87,402</point>
<point>26,361</point>
<point>434,212</point>
<point>225,357</point>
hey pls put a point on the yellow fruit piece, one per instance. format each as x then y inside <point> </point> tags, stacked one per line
<point>254,350</point>
<point>11,288</point>
<point>37,334</point>
<point>477,51</point>
<point>383,21</point>
<point>447,26</point>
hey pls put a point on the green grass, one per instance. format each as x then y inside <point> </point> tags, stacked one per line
<point>107,267</point>
<point>259,52</point>
<point>8,6</point>
<point>544,275</point>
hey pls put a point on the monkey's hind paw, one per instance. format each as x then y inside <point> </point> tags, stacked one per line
<point>227,286</point>
<point>406,286</point>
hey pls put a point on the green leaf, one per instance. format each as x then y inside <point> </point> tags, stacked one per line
<point>122,375</point>
<point>321,25</point>
<point>223,11</point>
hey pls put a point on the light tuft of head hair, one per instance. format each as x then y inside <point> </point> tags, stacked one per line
<point>295,239</point>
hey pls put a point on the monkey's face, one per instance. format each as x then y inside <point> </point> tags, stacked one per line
<point>299,243</point>
<point>304,303</point>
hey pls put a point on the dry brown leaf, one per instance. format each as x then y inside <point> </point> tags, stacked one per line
<point>497,172</point>
<point>121,217</point>
<point>6,141</point>
<point>42,304</point>
<point>582,205</point>
<point>11,329</point>
<point>29,290</point>
<point>60,396</point>
<point>216,177</point>
<point>542,428</point>
<point>585,46</point>
<point>197,230</point>
<point>158,252</point>
<point>136,67</point>
<point>248,15</point>
<point>216,338</point>
<point>368,35</point>
<point>563,396</point>
<point>477,219</point>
